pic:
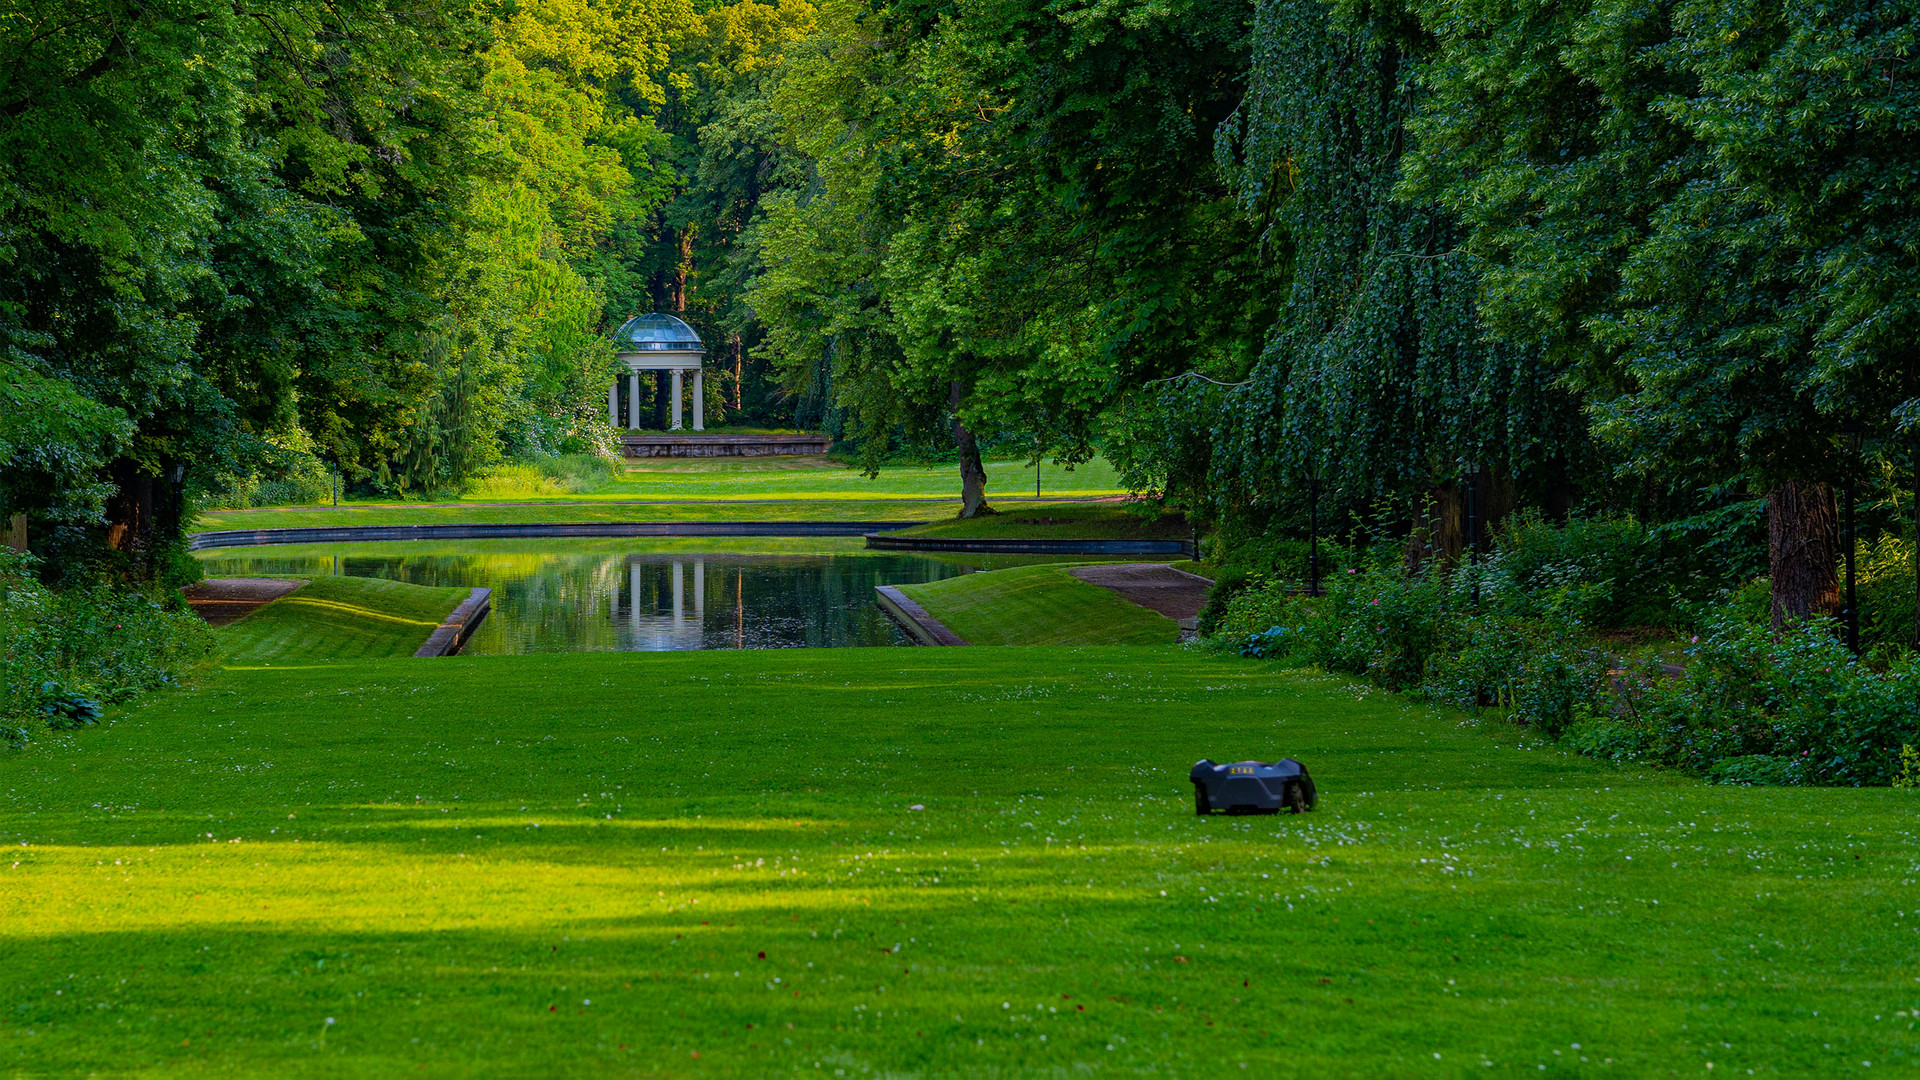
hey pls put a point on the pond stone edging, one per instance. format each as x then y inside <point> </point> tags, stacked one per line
<point>337,534</point>
<point>702,444</point>
<point>922,627</point>
<point>450,636</point>
<point>1184,548</point>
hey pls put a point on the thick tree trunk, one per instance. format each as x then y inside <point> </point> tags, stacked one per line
<point>733,342</point>
<point>682,268</point>
<point>1916,559</point>
<point>1450,523</point>
<point>973,473</point>
<point>144,515</point>
<point>1803,549</point>
<point>129,509</point>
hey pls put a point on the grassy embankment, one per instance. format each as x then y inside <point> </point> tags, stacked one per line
<point>338,618</point>
<point>696,865</point>
<point>1039,605</point>
<point>1069,521</point>
<point>710,489</point>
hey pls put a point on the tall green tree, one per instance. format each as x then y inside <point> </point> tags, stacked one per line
<point>1017,215</point>
<point>1378,374</point>
<point>1706,212</point>
<point>704,246</point>
<point>218,224</point>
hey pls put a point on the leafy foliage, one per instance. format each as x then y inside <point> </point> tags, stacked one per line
<point>1757,707</point>
<point>1695,206</point>
<point>937,248</point>
<point>67,653</point>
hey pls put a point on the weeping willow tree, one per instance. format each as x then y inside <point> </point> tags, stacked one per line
<point>1378,372</point>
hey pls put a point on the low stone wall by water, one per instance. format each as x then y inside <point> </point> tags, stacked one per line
<point>1182,548</point>
<point>336,534</point>
<point>698,444</point>
<point>449,636</point>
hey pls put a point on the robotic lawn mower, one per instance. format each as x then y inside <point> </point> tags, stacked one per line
<point>1252,787</point>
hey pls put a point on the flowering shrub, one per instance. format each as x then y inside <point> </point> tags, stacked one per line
<point>66,653</point>
<point>1756,708</point>
<point>1539,669</point>
<point>1381,625</point>
<point>1752,707</point>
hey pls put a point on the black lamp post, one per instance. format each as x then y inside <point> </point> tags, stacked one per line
<point>1851,432</point>
<point>1313,523</point>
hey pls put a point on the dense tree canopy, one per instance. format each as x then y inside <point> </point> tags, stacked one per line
<point>1015,214</point>
<point>1708,213</point>
<point>1578,254</point>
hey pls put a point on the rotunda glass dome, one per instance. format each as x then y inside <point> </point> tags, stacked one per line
<point>657,331</point>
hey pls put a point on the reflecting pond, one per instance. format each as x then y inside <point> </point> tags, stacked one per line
<point>639,595</point>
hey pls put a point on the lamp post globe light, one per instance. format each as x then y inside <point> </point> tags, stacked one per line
<point>658,342</point>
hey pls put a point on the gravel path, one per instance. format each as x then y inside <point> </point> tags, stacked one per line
<point>1174,593</point>
<point>223,600</point>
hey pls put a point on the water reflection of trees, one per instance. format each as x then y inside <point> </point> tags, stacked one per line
<point>568,601</point>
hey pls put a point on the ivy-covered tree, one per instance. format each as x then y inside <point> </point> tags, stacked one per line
<point>1378,374</point>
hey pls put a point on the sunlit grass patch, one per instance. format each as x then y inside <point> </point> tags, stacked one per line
<point>339,618</point>
<point>1109,520</point>
<point>605,864</point>
<point>705,489</point>
<point>1039,605</point>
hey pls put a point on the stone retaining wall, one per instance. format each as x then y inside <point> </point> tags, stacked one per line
<point>335,534</point>
<point>914,619</point>
<point>684,444</point>
<point>450,636</point>
<point>1179,548</point>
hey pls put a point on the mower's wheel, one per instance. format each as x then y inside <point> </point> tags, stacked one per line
<point>1296,798</point>
<point>1201,806</point>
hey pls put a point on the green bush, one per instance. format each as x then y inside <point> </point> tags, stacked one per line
<point>1379,624</point>
<point>1885,590</point>
<point>1541,670</point>
<point>1748,694</point>
<point>564,474</point>
<point>1605,573</point>
<point>1752,708</point>
<point>66,652</point>
<point>1240,602</point>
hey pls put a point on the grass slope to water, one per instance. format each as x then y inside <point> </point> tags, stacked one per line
<point>1071,521</point>
<point>1039,605</point>
<point>339,618</point>
<point>701,865</point>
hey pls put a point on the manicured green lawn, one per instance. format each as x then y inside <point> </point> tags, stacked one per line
<point>602,864</point>
<point>771,489</point>
<point>338,618</point>
<point>1077,521</point>
<point>900,509</point>
<point>820,478</point>
<point>1039,605</point>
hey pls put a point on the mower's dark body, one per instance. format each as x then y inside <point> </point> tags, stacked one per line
<point>1252,787</point>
